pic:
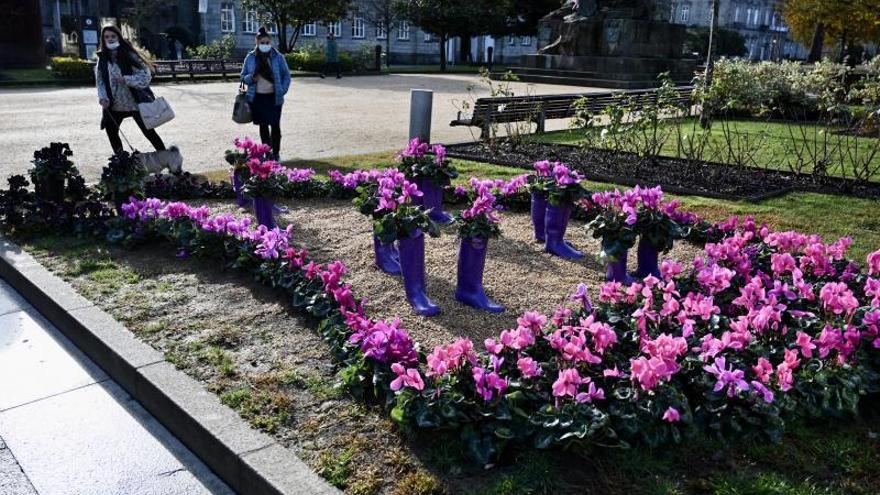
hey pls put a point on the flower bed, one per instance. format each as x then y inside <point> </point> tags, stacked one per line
<point>713,180</point>
<point>764,327</point>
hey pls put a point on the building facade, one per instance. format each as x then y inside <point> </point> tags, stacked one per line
<point>759,21</point>
<point>408,44</point>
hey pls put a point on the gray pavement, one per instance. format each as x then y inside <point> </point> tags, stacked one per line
<point>66,428</point>
<point>322,118</point>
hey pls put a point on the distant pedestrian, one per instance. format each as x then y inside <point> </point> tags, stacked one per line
<point>267,75</point>
<point>331,56</point>
<point>123,78</point>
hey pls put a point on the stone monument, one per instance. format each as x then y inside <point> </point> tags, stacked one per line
<point>608,43</point>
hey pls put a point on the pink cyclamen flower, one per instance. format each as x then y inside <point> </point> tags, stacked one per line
<point>672,415</point>
<point>406,378</point>
<point>806,344</point>
<point>528,367</point>
<point>583,297</point>
<point>874,263</point>
<point>567,383</point>
<point>593,393</point>
<point>837,298</point>
<point>727,376</point>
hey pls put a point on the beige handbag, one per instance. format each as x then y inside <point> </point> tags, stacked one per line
<point>155,113</point>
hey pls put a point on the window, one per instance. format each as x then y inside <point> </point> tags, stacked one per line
<point>271,27</point>
<point>335,28</point>
<point>251,21</point>
<point>227,17</point>
<point>736,15</point>
<point>358,30</point>
<point>526,41</point>
<point>511,40</point>
<point>672,8</point>
<point>403,31</point>
<point>685,13</point>
<point>428,38</point>
<point>309,29</point>
<point>381,31</point>
<point>757,17</point>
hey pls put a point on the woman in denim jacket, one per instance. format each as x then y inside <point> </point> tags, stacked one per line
<point>267,76</point>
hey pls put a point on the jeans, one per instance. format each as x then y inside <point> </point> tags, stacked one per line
<point>271,135</point>
<point>111,125</point>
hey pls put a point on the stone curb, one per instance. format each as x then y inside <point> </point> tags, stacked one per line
<point>249,461</point>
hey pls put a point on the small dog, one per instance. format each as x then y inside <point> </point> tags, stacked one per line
<point>157,161</point>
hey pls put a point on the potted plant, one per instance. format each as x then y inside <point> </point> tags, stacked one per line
<point>123,178</point>
<point>563,191</point>
<point>267,181</point>
<point>387,256</point>
<point>398,219</point>
<point>431,175</point>
<point>52,169</point>
<point>245,150</point>
<point>476,226</point>
<point>537,187</point>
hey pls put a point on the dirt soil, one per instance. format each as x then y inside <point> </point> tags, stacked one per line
<point>519,275</point>
<point>714,180</point>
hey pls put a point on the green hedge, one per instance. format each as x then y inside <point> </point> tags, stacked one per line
<point>310,61</point>
<point>72,69</point>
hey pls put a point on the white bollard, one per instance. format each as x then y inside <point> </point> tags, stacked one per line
<point>421,103</point>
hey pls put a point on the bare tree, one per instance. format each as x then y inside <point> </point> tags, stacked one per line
<point>383,13</point>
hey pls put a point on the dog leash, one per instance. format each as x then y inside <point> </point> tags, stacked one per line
<point>119,128</point>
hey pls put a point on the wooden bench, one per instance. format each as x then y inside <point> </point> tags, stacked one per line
<point>540,109</point>
<point>174,68</point>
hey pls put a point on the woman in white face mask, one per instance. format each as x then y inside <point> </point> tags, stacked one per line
<point>123,78</point>
<point>267,76</point>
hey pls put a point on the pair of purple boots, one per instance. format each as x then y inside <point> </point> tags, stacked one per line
<point>647,264</point>
<point>408,259</point>
<point>550,224</point>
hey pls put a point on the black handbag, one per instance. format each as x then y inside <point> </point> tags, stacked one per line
<point>241,109</point>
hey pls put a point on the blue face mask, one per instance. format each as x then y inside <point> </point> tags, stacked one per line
<point>265,48</point>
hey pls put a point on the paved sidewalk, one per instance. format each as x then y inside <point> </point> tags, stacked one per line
<point>66,428</point>
<point>321,118</point>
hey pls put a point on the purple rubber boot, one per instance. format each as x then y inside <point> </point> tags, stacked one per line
<point>387,257</point>
<point>432,200</point>
<point>554,228</point>
<point>647,258</point>
<point>240,199</point>
<point>539,214</point>
<point>263,212</point>
<point>617,270</point>
<point>471,264</point>
<point>412,264</point>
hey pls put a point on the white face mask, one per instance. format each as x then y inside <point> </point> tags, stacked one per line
<point>265,48</point>
<point>113,46</point>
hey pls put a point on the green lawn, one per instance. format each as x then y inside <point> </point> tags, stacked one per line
<point>829,215</point>
<point>771,145</point>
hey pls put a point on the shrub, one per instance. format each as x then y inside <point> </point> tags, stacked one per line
<point>310,58</point>
<point>72,69</point>
<point>219,49</point>
<point>771,88</point>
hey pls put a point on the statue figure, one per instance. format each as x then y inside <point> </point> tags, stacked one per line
<point>558,27</point>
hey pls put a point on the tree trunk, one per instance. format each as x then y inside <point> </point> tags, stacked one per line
<point>442,53</point>
<point>388,50</point>
<point>843,48</point>
<point>818,44</point>
<point>282,36</point>
<point>706,112</point>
